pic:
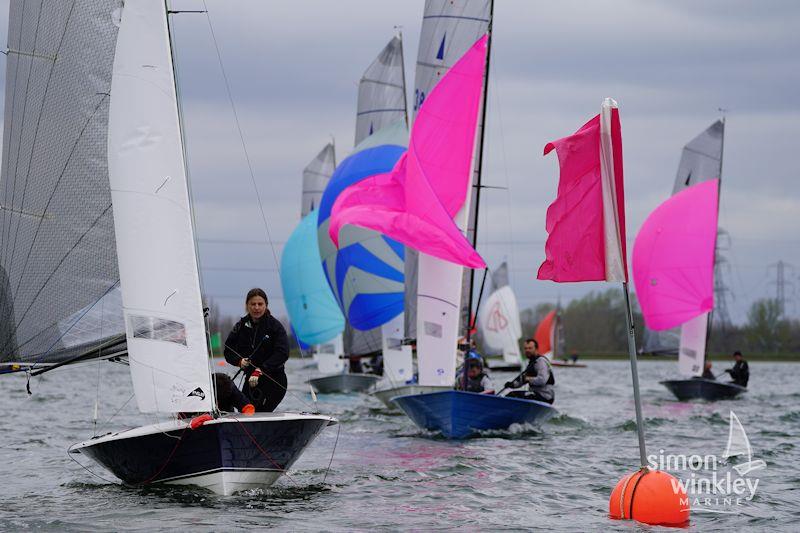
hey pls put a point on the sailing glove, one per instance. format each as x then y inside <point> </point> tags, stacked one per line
<point>253,379</point>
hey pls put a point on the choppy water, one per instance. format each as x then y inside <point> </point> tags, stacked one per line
<point>387,475</point>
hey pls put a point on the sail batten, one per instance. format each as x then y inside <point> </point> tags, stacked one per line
<point>57,250</point>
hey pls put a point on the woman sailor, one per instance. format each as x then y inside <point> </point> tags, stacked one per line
<point>259,346</point>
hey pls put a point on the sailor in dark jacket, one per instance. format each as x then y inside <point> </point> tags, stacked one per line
<point>740,373</point>
<point>259,346</point>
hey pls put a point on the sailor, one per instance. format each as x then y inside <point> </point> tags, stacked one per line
<point>740,373</point>
<point>538,375</point>
<point>259,346</point>
<point>707,373</point>
<point>477,380</point>
<point>229,397</point>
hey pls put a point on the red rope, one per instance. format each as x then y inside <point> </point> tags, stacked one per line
<point>172,453</point>
<point>263,451</point>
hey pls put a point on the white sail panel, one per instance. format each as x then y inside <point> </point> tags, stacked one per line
<point>398,364</point>
<point>692,352</point>
<point>499,323</point>
<point>330,355</point>
<point>316,176</point>
<point>152,219</point>
<point>701,158</point>
<point>381,92</point>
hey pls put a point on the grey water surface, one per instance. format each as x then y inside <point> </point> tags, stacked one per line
<point>388,475</point>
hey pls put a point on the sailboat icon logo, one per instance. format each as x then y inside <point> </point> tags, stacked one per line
<point>497,320</point>
<point>739,445</point>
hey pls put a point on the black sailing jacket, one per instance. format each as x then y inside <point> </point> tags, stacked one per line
<point>263,342</point>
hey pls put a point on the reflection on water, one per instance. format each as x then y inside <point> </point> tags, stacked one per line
<point>387,474</point>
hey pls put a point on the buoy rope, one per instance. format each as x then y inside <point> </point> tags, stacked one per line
<point>643,473</point>
<point>269,458</point>
<point>622,494</point>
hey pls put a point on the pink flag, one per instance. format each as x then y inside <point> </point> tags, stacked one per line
<point>586,223</point>
<point>673,257</point>
<point>415,203</point>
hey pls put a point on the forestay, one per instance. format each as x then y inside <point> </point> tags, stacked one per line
<point>155,245</point>
<point>57,252</point>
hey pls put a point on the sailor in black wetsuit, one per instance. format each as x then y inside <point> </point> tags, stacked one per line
<point>740,373</point>
<point>259,346</point>
<point>476,379</point>
<point>229,397</point>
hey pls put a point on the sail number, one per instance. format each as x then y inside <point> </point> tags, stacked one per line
<point>419,97</point>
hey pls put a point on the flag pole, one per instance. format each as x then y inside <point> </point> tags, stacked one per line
<point>637,399</point>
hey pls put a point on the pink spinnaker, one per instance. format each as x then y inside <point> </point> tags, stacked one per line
<point>578,244</point>
<point>673,257</point>
<point>415,203</point>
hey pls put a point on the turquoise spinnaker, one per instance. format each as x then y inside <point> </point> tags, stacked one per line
<point>313,311</point>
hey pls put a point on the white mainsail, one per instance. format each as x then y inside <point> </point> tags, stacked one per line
<point>381,92</point>
<point>449,28</point>
<point>152,219</point>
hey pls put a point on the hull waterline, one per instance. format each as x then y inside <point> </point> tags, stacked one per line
<point>458,414</point>
<point>702,389</point>
<point>343,383</point>
<point>225,455</point>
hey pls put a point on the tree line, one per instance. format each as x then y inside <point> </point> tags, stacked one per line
<point>595,323</point>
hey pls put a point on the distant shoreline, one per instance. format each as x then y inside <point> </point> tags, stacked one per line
<point>772,358</point>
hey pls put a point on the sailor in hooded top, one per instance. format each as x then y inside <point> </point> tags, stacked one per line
<point>259,346</point>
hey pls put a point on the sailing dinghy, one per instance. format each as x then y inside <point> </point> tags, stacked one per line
<point>680,289</point>
<point>425,203</point>
<point>108,133</point>
<point>550,336</point>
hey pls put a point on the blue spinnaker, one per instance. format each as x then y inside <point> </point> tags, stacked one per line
<point>313,311</point>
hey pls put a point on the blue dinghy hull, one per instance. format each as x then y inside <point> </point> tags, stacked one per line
<point>458,414</point>
<point>702,389</point>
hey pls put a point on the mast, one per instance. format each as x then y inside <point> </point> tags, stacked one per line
<point>709,325</point>
<point>479,170</point>
<point>403,69</point>
<point>193,220</point>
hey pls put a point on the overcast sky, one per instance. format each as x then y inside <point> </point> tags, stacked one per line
<point>294,65</point>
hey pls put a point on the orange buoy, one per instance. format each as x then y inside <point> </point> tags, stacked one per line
<point>248,409</point>
<point>651,497</point>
